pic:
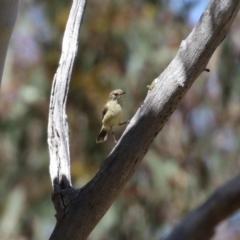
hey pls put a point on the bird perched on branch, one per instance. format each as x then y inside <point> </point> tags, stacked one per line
<point>112,115</point>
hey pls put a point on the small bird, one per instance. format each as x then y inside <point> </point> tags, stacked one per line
<point>112,115</point>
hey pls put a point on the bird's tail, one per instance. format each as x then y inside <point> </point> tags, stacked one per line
<point>102,136</point>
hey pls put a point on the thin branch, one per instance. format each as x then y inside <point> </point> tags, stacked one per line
<point>200,223</point>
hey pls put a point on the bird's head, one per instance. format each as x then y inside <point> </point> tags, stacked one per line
<point>116,94</point>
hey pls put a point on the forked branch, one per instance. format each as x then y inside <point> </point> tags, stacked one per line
<point>82,209</point>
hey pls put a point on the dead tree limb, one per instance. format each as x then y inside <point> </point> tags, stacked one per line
<point>78,211</point>
<point>58,138</point>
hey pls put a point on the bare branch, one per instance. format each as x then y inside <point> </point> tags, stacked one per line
<point>8,15</point>
<point>85,207</point>
<point>58,138</point>
<point>200,223</point>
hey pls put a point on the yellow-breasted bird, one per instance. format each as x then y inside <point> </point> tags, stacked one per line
<point>112,115</point>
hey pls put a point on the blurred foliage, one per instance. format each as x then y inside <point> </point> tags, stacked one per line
<point>124,45</point>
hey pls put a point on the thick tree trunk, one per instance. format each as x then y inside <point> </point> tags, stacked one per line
<point>78,211</point>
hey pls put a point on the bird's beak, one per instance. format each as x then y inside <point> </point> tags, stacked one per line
<point>123,93</point>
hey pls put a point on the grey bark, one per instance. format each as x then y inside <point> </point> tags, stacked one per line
<point>8,14</point>
<point>58,138</point>
<point>78,211</point>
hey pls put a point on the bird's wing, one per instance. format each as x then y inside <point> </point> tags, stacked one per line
<point>104,110</point>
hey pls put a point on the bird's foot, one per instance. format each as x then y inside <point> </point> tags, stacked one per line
<point>114,138</point>
<point>126,122</point>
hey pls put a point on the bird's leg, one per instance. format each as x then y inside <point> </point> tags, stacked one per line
<point>126,122</point>
<point>114,138</point>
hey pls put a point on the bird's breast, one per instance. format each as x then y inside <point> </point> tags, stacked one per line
<point>113,115</point>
